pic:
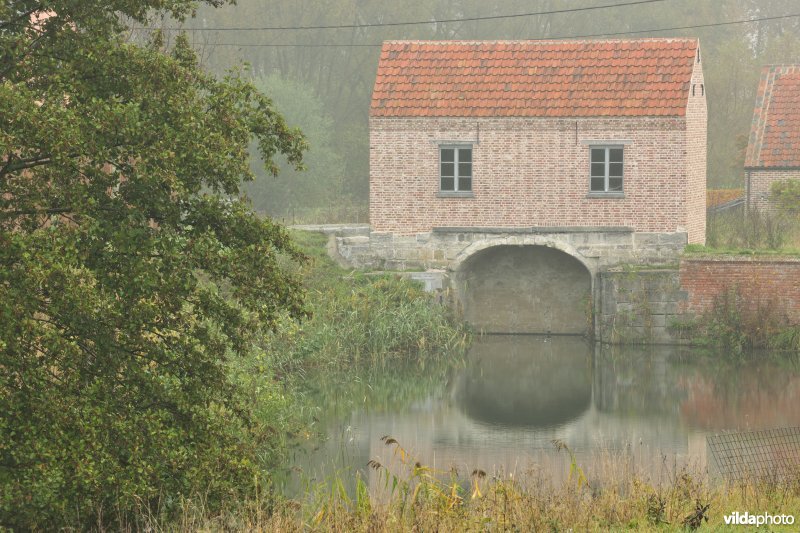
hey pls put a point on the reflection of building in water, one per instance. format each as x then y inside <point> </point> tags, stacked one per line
<point>527,382</point>
<point>519,393</point>
<point>643,410</point>
<point>644,381</point>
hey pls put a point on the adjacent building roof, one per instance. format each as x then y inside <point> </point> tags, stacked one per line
<point>775,134</point>
<point>633,77</point>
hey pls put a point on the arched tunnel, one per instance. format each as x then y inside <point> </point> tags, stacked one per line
<point>525,289</point>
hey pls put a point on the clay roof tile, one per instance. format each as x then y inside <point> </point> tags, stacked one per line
<point>638,77</point>
<point>774,139</point>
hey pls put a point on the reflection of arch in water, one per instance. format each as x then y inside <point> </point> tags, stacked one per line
<point>524,289</point>
<point>526,380</point>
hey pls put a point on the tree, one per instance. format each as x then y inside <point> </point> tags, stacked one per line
<point>132,273</point>
<point>786,196</point>
<point>322,181</point>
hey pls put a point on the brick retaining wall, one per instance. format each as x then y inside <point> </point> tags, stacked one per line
<point>761,283</point>
<point>643,306</point>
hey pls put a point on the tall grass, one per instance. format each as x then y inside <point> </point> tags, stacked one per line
<point>739,229</point>
<point>362,320</point>
<point>410,496</point>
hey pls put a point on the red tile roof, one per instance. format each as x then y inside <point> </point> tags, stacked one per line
<point>637,77</point>
<point>775,135</point>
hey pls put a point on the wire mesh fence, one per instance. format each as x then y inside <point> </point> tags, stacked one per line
<point>767,455</point>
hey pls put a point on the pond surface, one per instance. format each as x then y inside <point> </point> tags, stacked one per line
<point>646,410</point>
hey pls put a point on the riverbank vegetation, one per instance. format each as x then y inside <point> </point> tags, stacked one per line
<point>133,277</point>
<point>155,332</point>
<point>736,328</point>
<point>409,496</point>
<point>739,231</point>
<point>363,319</point>
<point>744,325</point>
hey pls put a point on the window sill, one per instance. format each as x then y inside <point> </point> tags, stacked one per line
<point>455,194</point>
<point>606,195</point>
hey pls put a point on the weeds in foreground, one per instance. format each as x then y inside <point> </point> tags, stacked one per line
<point>402,494</point>
<point>738,230</point>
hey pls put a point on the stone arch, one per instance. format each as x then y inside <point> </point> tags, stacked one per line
<point>523,240</point>
<point>530,284</point>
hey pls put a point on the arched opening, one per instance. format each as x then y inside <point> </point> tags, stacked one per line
<point>525,289</point>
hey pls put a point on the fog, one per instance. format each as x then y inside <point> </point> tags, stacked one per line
<point>317,60</point>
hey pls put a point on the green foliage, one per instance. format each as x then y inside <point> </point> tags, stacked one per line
<point>724,327</point>
<point>786,194</point>
<point>322,180</point>
<point>366,320</point>
<point>134,282</point>
<point>788,339</point>
<point>738,329</point>
<point>752,230</point>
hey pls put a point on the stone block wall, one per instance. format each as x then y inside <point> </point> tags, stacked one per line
<point>441,248</point>
<point>639,306</point>
<point>648,306</point>
<point>634,299</point>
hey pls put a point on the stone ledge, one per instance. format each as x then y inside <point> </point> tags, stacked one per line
<point>534,229</point>
<point>342,230</point>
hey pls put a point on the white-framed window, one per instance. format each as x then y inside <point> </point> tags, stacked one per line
<point>605,169</point>
<point>455,168</point>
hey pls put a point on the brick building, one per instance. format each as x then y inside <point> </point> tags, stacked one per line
<point>773,147</point>
<point>521,134</point>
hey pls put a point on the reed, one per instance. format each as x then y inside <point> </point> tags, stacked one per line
<point>364,320</point>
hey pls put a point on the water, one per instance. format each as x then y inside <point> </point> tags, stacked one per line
<point>643,410</point>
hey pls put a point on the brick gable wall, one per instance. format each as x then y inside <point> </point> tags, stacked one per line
<point>696,150</point>
<point>535,172</point>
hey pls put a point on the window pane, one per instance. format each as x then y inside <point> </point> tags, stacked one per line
<point>464,184</point>
<point>615,155</point>
<point>598,155</point>
<point>447,155</point>
<point>615,184</point>
<point>598,170</point>
<point>598,184</point>
<point>447,184</point>
<point>615,169</point>
<point>465,170</point>
<point>448,169</point>
<point>465,155</point>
